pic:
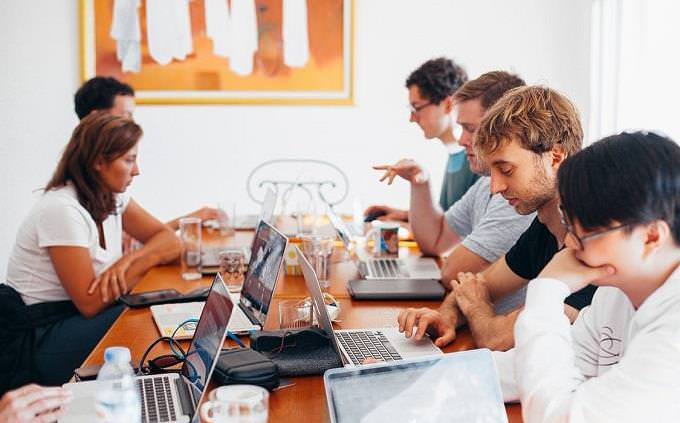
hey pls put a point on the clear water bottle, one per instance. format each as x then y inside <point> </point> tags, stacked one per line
<point>117,392</point>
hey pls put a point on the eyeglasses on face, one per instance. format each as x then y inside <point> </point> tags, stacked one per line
<point>415,109</point>
<point>579,241</point>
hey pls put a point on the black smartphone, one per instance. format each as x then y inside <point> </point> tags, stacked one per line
<point>144,299</point>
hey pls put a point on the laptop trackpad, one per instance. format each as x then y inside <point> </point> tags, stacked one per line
<point>408,347</point>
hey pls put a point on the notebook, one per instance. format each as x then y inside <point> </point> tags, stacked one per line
<point>171,397</point>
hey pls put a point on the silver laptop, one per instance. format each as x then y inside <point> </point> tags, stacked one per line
<point>264,268</point>
<point>250,221</point>
<point>171,397</point>
<point>384,267</point>
<point>458,387</point>
<point>355,345</point>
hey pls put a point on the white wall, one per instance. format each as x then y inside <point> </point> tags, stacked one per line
<point>545,41</point>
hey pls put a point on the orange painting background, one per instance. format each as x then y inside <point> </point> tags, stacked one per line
<point>202,70</point>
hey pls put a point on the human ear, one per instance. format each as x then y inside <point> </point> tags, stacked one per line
<point>448,104</point>
<point>656,233</point>
<point>557,156</point>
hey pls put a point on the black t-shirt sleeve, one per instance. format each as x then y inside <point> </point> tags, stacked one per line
<point>582,298</point>
<point>520,258</point>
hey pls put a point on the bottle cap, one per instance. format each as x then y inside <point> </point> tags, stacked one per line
<point>117,355</point>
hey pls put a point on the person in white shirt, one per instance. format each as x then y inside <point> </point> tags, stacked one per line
<point>620,361</point>
<point>66,268</point>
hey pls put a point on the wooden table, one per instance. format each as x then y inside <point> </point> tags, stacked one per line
<point>305,400</point>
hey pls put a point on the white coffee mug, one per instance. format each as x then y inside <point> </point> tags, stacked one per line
<point>385,236</point>
<point>236,404</point>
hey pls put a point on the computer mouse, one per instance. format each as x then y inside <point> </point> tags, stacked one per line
<point>372,216</point>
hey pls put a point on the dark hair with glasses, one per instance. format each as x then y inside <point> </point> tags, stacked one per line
<point>437,79</point>
<point>629,178</point>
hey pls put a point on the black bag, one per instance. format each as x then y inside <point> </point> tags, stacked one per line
<point>245,366</point>
<point>297,352</point>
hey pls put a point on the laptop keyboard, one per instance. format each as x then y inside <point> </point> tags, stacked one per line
<point>361,345</point>
<point>156,396</point>
<point>384,267</point>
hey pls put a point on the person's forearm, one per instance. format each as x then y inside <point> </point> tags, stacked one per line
<point>449,309</point>
<point>489,330</point>
<point>427,221</point>
<point>162,248</point>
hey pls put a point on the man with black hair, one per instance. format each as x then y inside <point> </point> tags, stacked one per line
<point>118,98</point>
<point>620,361</point>
<point>430,93</point>
<point>104,93</point>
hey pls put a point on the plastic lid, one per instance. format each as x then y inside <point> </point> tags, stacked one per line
<point>117,355</point>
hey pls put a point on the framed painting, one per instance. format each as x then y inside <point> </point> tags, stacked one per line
<point>222,51</point>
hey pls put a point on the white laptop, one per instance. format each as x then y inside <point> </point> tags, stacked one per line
<point>250,221</point>
<point>171,397</point>
<point>264,268</point>
<point>355,345</point>
<point>460,387</point>
<point>384,267</point>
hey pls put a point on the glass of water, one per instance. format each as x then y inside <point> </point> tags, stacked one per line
<point>233,267</point>
<point>190,234</point>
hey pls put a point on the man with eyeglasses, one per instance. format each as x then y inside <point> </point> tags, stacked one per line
<point>430,92</point>
<point>479,228</point>
<point>523,139</point>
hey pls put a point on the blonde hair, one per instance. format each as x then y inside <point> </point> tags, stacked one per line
<point>539,118</point>
<point>488,88</point>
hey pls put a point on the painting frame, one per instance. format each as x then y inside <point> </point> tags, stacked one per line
<point>345,96</point>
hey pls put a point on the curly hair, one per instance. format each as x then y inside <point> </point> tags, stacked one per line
<point>437,79</point>
<point>538,117</point>
<point>98,93</point>
<point>488,88</point>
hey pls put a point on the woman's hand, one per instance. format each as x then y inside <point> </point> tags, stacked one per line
<point>112,282</point>
<point>33,403</point>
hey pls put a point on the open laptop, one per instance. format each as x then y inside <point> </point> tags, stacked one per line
<point>384,267</point>
<point>171,397</point>
<point>210,255</point>
<point>264,268</point>
<point>355,345</point>
<point>250,221</point>
<point>458,387</point>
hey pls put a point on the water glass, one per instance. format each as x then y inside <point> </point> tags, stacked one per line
<point>232,267</point>
<point>236,404</point>
<point>190,234</point>
<point>295,314</point>
<point>318,250</point>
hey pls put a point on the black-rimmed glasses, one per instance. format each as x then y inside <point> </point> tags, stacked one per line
<point>416,109</point>
<point>580,240</point>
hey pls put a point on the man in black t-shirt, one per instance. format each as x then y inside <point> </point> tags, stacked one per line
<point>523,139</point>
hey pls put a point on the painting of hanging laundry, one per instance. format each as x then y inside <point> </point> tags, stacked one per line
<point>222,51</point>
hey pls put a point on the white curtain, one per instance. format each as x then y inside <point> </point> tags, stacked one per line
<point>635,67</point>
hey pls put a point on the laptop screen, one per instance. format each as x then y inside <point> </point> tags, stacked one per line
<point>268,205</point>
<point>208,339</point>
<point>266,256</point>
<point>314,290</point>
<point>458,387</point>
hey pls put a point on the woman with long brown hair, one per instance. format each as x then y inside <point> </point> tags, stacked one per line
<point>67,268</point>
